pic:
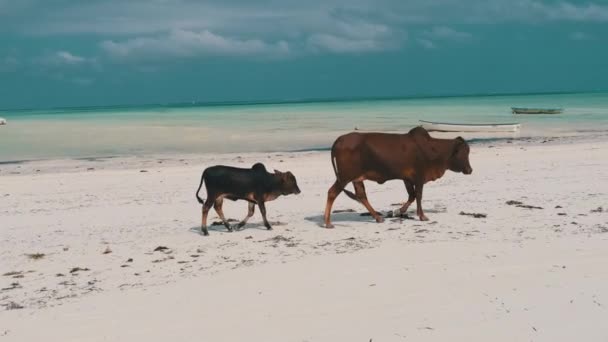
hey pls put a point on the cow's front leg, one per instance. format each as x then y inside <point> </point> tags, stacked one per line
<point>249,214</point>
<point>411,196</point>
<point>263,211</point>
<point>419,211</point>
<point>218,208</point>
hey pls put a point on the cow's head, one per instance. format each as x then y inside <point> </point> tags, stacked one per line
<point>459,161</point>
<point>288,184</point>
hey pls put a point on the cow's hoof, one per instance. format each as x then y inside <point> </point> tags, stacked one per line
<point>379,219</point>
<point>329,226</point>
<point>205,233</point>
<point>268,228</point>
<point>423,218</point>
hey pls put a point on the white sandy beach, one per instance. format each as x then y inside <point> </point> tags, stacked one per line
<point>519,274</point>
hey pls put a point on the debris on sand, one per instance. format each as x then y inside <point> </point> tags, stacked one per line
<point>12,273</point>
<point>143,171</point>
<point>35,256</point>
<point>170,257</point>
<point>12,306</point>
<point>562,214</point>
<point>130,260</point>
<point>107,251</point>
<point>419,231</point>
<point>78,269</point>
<point>521,205</point>
<point>161,249</point>
<point>475,215</point>
<point>598,210</point>
<point>279,238</point>
<point>221,223</point>
<point>343,211</point>
<point>12,287</point>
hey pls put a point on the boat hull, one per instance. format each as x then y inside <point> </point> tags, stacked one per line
<point>2,121</point>
<point>536,111</point>
<point>453,127</point>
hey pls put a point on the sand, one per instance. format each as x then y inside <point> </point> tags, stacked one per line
<point>78,241</point>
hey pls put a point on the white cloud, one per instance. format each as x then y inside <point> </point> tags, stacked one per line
<point>356,37</point>
<point>9,64</point>
<point>64,59</point>
<point>68,58</point>
<point>580,36</point>
<point>446,33</point>
<point>427,44</point>
<point>568,11</point>
<point>337,44</point>
<point>184,43</point>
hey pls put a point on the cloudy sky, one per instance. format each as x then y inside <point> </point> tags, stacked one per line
<point>94,52</point>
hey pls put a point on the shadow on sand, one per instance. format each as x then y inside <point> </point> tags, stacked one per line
<point>220,228</point>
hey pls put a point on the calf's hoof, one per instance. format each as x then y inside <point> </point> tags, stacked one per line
<point>329,226</point>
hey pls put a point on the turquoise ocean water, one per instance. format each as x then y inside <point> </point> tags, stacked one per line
<point>182,129</point>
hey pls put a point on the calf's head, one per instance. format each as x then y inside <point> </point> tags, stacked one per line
<point>459,161</point>
<point>287,183</point>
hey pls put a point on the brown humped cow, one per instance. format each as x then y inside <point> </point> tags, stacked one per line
<point>414,157</point>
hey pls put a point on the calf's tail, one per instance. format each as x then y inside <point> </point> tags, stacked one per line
<point>347,192</point>
<point>200,200</point>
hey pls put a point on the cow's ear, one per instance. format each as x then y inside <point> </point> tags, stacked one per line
<point>460,142</point>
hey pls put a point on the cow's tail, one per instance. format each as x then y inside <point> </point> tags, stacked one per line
<point>347,192</point>
<point>200,200</point>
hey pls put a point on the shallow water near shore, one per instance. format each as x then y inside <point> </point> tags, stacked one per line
<point>167,129</point>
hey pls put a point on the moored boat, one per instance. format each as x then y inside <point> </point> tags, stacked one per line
<point>2,121</point>
<point>517,110</point>
<point>465,127</point>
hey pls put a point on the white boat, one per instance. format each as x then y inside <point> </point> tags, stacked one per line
<point>457,127</point>
<point>2,121</point>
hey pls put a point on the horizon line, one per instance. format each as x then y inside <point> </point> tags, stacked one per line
<point>195,103</point>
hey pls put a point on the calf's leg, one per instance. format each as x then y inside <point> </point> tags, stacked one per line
<point>332,193</point>
<point>419,211</point>
<point>218,209</point>
<point>249,214</point>
<point>362,196</point>
<point>411,196</point>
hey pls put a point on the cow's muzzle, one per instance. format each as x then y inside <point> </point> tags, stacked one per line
<point>468,171</point>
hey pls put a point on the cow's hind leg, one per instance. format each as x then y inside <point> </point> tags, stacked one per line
<point>218,209</point>
<point>332,193</point>
<point>206,207</point>
<point>420,213</point>
<point>411,196</point>
<point>249,214</point>
<point>362,196</point>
